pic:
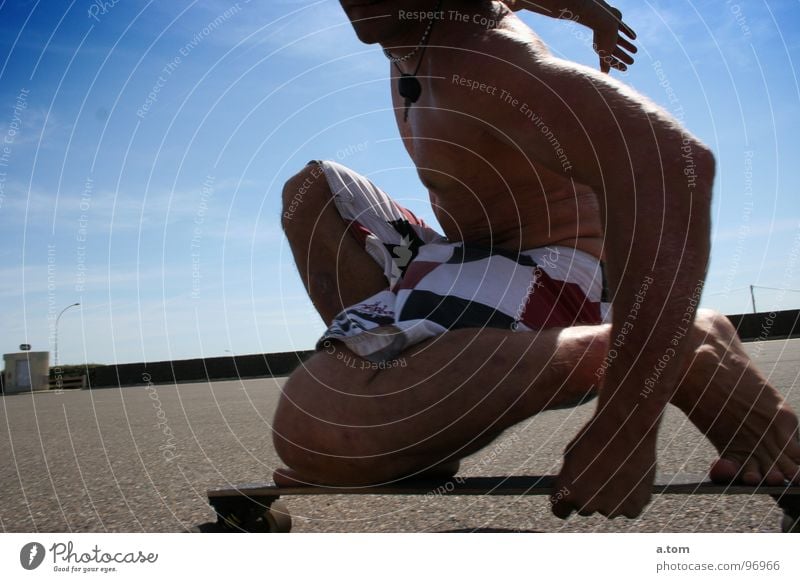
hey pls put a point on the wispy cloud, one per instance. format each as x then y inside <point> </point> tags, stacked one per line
<point>755,230</point>
<point>109,210</point>
<point>32,279</point>
<point>31,126</point>
<point>313,32</point>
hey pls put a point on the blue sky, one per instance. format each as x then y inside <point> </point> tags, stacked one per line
<point>143,146</point>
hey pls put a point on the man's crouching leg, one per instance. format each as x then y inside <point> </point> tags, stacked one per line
<point>342,420</point>
<point>336,270</point>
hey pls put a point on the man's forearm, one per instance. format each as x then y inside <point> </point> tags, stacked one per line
<point>657,247</point>
<point>582,11</point>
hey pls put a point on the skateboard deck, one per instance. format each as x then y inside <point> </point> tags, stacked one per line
<point>257,507</point>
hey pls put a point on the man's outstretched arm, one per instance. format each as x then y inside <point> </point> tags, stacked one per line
<point>606,21</point>
<point>654,183</point>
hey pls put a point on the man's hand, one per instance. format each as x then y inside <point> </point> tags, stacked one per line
<point>609,44</point>
<point>606,21</point>
<point>608,469</point>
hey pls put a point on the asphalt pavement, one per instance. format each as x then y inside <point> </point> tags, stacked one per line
<point>141,458</point>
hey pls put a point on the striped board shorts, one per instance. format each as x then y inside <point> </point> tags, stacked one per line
<point>434,285</point>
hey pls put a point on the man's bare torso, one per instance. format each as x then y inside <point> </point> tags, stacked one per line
<point>484,190</point>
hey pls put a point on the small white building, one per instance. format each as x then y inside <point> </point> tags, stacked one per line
<point>26,371</point>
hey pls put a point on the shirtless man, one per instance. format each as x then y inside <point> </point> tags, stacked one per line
<point>504,136</point>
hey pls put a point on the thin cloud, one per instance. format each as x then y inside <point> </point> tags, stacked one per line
<point>746,231</point>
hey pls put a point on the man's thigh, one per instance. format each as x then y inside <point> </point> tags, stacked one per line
<point>349,239</point>
<point>341,415</point>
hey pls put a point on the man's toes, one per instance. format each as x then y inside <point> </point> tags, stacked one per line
<point>788,470</point>
<point>774,477</point>
<point>724,471</point>
<point>731,471</point>
<point>750,473</point>
<point>792,452</point>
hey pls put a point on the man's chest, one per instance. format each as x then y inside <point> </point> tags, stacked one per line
<point>435,133</point>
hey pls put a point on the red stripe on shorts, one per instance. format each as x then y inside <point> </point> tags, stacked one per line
<point>553,303</point>
<point>359,231</point>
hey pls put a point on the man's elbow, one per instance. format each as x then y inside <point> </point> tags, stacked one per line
<point>693,208</point>
<point>695,169</point>
<point>700,195</point>
<point>705,170</point>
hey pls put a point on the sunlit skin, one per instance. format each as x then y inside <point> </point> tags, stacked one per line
<point>494,178</point>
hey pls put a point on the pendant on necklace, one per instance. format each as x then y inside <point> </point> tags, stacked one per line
<point>410,89</point>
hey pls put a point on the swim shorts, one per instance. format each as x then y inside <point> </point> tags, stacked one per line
<point>434,285</point>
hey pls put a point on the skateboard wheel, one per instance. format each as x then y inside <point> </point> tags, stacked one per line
<point>277,518</point>
<point>243,514</point>
<point>790,524</point>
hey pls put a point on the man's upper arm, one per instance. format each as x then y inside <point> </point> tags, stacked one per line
<point>588,127</point>
<point>570,118</point>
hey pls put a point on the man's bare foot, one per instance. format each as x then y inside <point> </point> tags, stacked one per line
<point>746,419</point>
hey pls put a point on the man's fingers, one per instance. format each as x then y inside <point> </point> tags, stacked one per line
<point>621,55</point>
<point>607,63</point>
<point>615,64</point>
<point>629,32</point>
<point>603,47</point>
<point>613,53</point>
<point>627,45</point>
<point>631,513</point>
<point>561,508</point>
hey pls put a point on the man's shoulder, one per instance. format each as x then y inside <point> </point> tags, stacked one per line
<point>483,48</point>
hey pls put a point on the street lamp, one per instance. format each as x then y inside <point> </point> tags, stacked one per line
<point>57,318</point>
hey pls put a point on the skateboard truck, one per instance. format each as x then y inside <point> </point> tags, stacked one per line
<point>248,514</point>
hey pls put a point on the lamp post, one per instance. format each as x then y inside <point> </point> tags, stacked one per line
<point>57,318</point>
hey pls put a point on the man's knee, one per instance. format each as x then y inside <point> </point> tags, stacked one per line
<point>304,194</point>
<point>310,434</point>
<point>584,353</point>
<point>714,326</point>
<point>296,423</point>
<point>327,432</point>
<point>714,337</point>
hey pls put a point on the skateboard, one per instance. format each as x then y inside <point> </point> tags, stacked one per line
<point>258,508</point>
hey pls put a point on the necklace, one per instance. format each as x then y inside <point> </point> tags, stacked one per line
<point>408,85</point>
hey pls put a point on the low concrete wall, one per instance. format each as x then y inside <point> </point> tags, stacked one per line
<point>750,326</point>
<point>767,326</point>
<point>197,370</point>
